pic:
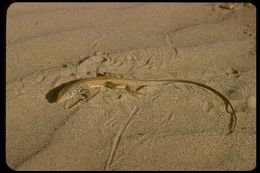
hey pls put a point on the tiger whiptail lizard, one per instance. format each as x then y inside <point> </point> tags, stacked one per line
<point>82,87</point>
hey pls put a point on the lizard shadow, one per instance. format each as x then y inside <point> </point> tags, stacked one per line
<point>52,95</point>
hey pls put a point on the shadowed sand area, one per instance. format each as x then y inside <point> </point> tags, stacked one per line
<point>172,127</point>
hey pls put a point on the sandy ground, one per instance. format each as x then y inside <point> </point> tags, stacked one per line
<point>172,127</point>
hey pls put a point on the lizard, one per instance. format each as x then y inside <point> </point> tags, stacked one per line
<point>81,88</point>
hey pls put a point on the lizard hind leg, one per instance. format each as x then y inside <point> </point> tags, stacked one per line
<point>115,87</point>
<point>112,85</point>
<point>134,93</point>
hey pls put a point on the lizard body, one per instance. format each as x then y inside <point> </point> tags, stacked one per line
<point>99,82</point>
<point>82,85</point>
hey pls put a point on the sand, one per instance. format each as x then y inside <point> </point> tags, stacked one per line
<point>172,127</point>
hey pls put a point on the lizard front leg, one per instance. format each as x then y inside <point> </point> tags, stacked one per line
<point>73,101</point>
<point>115,87</point>
<point>84,96</point>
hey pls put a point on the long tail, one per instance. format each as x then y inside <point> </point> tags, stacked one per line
<point>233,118</point>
